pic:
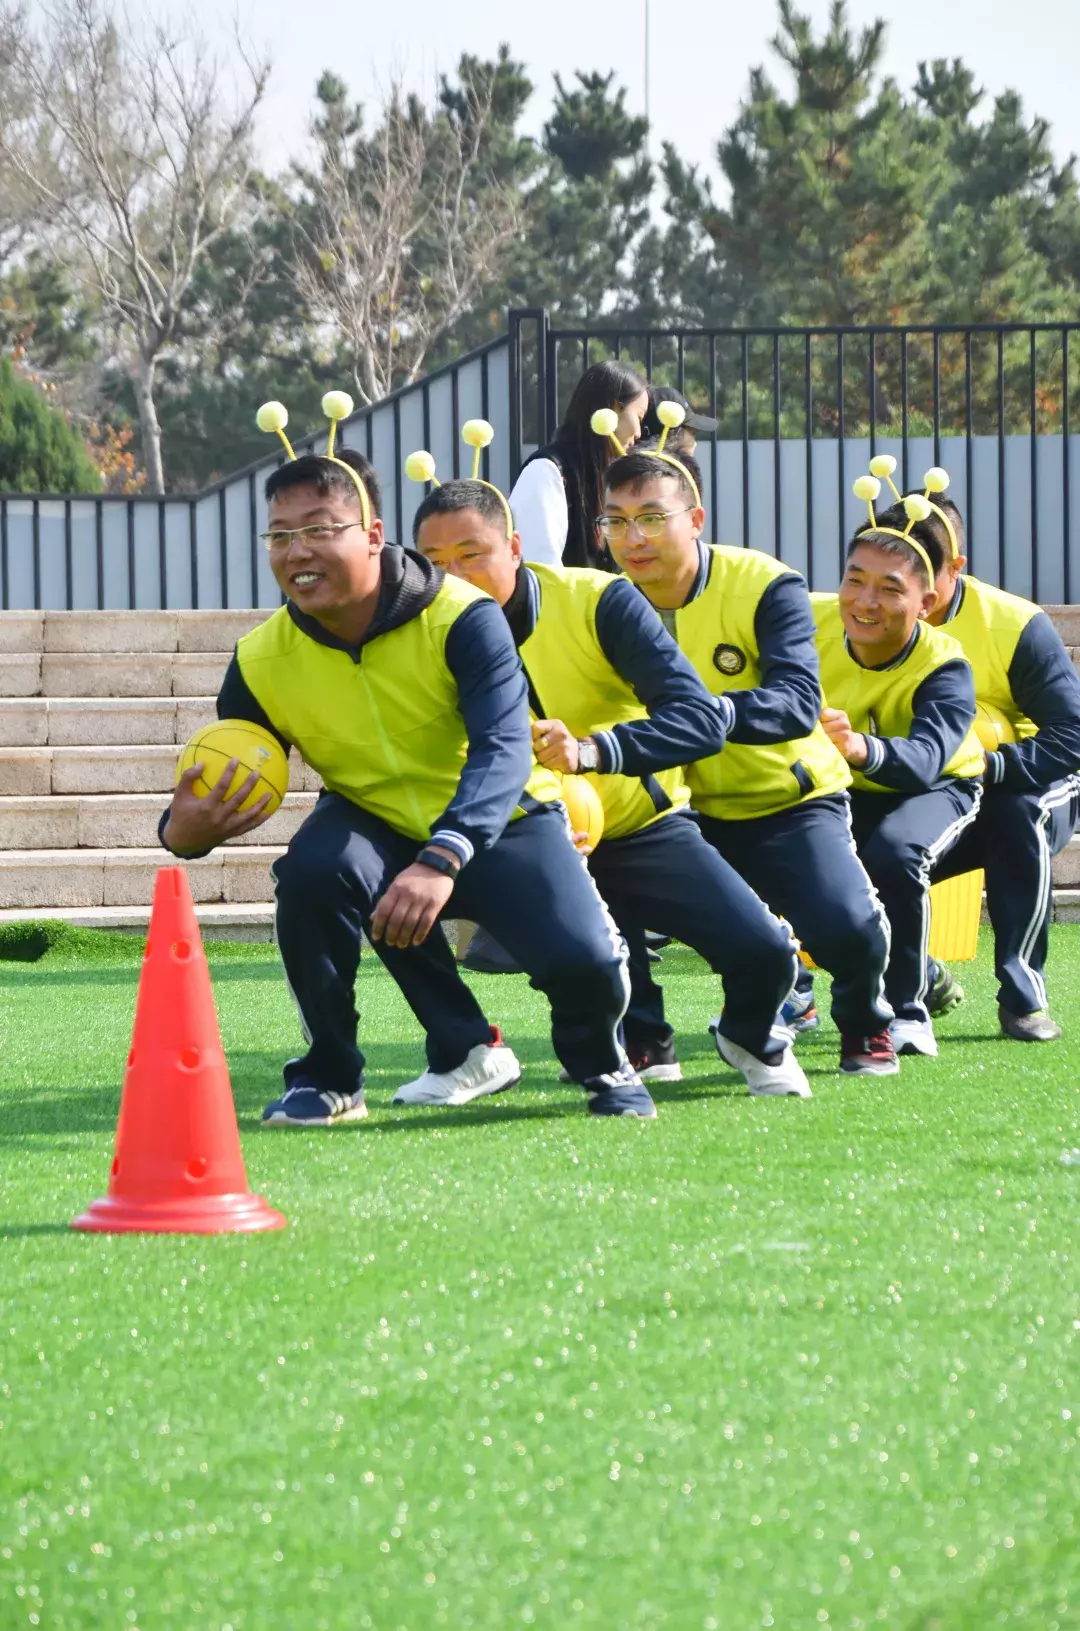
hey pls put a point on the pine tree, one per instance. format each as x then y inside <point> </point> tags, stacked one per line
<point>40,451</point>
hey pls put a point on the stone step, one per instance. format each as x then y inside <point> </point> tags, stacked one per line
<point>112,674</point>
<point>33,722</point>
<point>47,878</point>
<point>34,772</point>
<point>125,632</point>
<point>118,821</point>
<point>217,920</point>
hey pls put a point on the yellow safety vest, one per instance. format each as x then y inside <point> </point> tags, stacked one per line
<point>880,701</point>
<point>716,632</point>
<point>385,732</point>
<point>988,626</point>
<point>572,680</point>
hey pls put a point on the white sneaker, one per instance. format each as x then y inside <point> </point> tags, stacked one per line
<point>785,1080</point>
<point>914,1036</point>
<point>489,1068</point>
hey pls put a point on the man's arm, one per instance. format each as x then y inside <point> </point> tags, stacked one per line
<point>786,704</point>
<point>1047,688</point>
<point>944,708</point>
<point>684,722</point>
<point>494,703</point>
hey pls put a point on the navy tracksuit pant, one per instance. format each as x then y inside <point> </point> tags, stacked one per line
<point>1015,837</point>
<point>803,863</point>
<point>531,890</point>
<point>902,841</point>
<point>667,878</point>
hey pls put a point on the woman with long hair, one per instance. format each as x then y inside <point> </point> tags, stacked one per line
<point>560,492</point>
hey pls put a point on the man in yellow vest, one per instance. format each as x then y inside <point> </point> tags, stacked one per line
<point>900,707</point>
<point>1026,684</point>
<point>613,698</point>
<point>774,804</point>
<point>402,688</point>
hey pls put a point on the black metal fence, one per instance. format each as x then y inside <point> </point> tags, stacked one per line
<point>799,413</point>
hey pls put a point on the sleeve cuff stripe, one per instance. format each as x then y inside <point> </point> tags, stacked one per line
<point>611,750</point>
<point>876,754</point>
<point>455,841</point>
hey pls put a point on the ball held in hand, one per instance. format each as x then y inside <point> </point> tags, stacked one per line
<point>253,747</point>
<point>586,811</point>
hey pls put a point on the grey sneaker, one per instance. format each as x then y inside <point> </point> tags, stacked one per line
<point>1036,1027</point>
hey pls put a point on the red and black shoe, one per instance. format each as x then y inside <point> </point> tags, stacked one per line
<point>868,1055</point>
<point>655,1061</point>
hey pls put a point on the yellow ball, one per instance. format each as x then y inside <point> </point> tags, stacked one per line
<point>255,748</point>
<point>605,421</point>
<point>670,414</point>
<point>477,432</point>
<point>882,464</point>
<point>420,466</point>
<point>585,809</point>
<point>272,416</point>
<point>992,728</point>
<point>337,404</point>
<point>867,488</point>
<point>936,479</point>
<point>916,507</point>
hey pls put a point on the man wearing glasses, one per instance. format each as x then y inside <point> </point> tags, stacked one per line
<point>402,689</point>
<point>613,698</point>
<point>774,804</point>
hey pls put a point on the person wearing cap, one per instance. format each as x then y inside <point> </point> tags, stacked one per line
<point>900,707</point>
<point>559,492</point>
<point>613,698</point>
<point>1027,688</point>
<point>402,689</point>
<point>678,439</point>
<point>774,803</point>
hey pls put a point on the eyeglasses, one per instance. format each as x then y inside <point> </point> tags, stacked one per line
<point>616,527</point>
<point>322,533</point>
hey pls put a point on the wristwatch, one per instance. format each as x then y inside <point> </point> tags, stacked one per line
<point>588,755</point>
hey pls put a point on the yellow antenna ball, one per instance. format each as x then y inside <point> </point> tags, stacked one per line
<point>272,416</point>
<point>936,479</point>
<point>668,413</point>
<point>337,405</point>
<point>605,421</point>
<point>477,432</point>
<point>420,466</point>
<point>867,488</point>
<point>916,507</point>
<point>882,465</point>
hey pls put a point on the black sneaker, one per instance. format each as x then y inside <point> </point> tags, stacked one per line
<point>304,1106</point>
<point>655,1061</point>
<point>620,1093</point>
<point>485,956</point>
<point>868,1055</point>
<point>945,991</point>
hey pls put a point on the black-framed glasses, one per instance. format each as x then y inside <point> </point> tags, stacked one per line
<point>651,525</point>
<point>321,533</point>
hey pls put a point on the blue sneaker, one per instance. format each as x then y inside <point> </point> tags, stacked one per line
<point>621,1093</point>
<point>799,1014</point>
<point>304,1106</point>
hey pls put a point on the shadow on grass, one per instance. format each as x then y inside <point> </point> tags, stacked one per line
<point>26,1231</point>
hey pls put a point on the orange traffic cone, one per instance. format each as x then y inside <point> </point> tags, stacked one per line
<point>177,1167</point>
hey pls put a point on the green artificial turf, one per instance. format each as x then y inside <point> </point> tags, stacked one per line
<point>753,1364</point>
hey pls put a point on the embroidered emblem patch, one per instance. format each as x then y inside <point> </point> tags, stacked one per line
<point>729,659</point>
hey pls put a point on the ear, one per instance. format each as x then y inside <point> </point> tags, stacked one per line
<point>515,548</point>
<point>928,602</point>
<point>697,521</point>
<point>376,537</point>
<point>960,563</point>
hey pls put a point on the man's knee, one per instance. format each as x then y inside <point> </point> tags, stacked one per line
<point>586,975</point>
<point>895,865</point>
<point>851,938</point>
<point>313,871</point>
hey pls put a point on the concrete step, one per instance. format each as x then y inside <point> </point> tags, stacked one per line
<point>124,632</point>
<point>117,821</point>
<point>112,674</point>
<point>32,722</point>
<point>217,920</point>
<point>62,878</point>
<point>35,772</point>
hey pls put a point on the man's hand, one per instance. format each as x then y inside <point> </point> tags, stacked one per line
<point>555,747</point>
<point>196,824</point>
<point>852,744</point>
<point>407,912</point>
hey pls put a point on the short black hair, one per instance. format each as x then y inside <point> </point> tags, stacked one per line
<point>454,496</point>
<point>636,468</point>
<point>889,545</point>
<point>312,470</point>
<point>930,533</point>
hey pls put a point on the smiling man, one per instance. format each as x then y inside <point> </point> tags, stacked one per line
<point>900,707</point>
<point>401,687</point>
